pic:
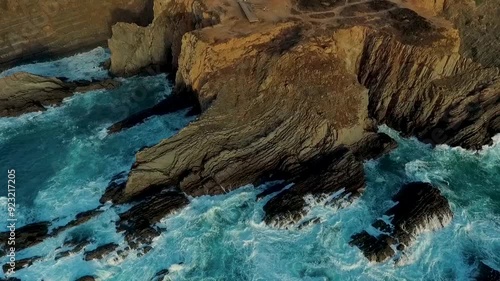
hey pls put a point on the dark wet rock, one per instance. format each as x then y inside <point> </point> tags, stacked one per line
<point>86,278</point>
<point>420,207</point>
<point>487,273</point>
<point>76,245</point>
<point>20,264</point>
<point>100,252</point>
<point>373,146</point>
<point>160,275</point>
<point>10,279</point>
<point>139,220</point>
<point>339,172</point>
<point>28,235</point>
<point>80,218</point>
<point>24,92</point>
<point>115,188</point>
<point>178,100</point>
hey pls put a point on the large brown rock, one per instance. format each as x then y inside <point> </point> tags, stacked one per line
<point>135,48</point>
<point>47,28</point>
<point>23,92</point>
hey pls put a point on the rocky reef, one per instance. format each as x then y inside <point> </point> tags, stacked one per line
<point>295,88</point>
<point>23,92</point>
<point>419,207</point>
<point>295,98</point>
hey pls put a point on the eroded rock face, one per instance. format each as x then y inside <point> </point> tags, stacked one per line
<point>420,207</point>
<point>46,28</point>
<point>307,82</point>
<point>23,92</point>
<point>135,48</point>
<point>138,221</point>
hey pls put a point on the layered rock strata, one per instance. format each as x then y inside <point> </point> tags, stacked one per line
<point>419,207</point>
<point>306,88</point>
<point>46,28</point>
<point>23,92</point>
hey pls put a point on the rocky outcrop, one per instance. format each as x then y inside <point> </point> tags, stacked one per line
<point>21,264</point>
<point>137,222</point>
<point>86,278</point>
<point>135,48</point>
<point>297,97</point>
<point>40,29</point>
<point>23,92</point>
<point>419,207</point>
<point>26,236</point>
<point>100,252</point>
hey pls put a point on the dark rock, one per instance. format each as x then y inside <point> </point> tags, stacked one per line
<point>80,218</point>
<point>338,172</point>
<point>138,221</point>
<point>375,249</point>
<point>420,207</point>
<point>86,278</point>
<point>10,279</point>
<point>160,275</point>
<point>115,188</point>
<point>100,251</point>
<point>24,92</point>
<point>20,264</point>
<point>28,235</point>
<point>373,146</point>
<point>487,273</point>
<point>180,99</point>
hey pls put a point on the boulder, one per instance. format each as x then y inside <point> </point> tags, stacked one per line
<point>100,252</point>
<point>419,207</point>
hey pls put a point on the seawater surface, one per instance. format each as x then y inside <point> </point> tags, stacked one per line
<point>64,159</point>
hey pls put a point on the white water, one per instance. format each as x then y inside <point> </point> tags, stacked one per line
<point>64,160</point>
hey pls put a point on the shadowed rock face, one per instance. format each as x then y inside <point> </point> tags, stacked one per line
<point>487,273</point>
<point>47,28</point>
<point>23,92</point>
<point>419,207</point>
<point>277,96</point>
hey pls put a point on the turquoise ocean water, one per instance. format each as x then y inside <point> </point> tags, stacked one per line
<point>64,159</point>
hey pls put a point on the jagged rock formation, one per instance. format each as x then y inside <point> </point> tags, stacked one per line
<point>23,92</point>
<point>137,222</point>
<point>134,47</point>
<point>46,28</point>
<point>310,81</point>
<point>420,207</point>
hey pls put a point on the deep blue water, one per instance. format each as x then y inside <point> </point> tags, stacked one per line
<point>64,159</point>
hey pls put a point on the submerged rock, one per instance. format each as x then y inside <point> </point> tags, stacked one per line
<point>27,236</point>
<point>138,222</point>
<point>339,173</point>
<point>23,92</point>
<point>100,252</point>
<point>487,273</point>
<point>419,207</point>
<point>86,278</point>
<point>21,264</point>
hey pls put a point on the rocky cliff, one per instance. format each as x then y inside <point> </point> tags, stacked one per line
<point>307,80</point>
<point>24,92</point>
<point>46,28</point>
